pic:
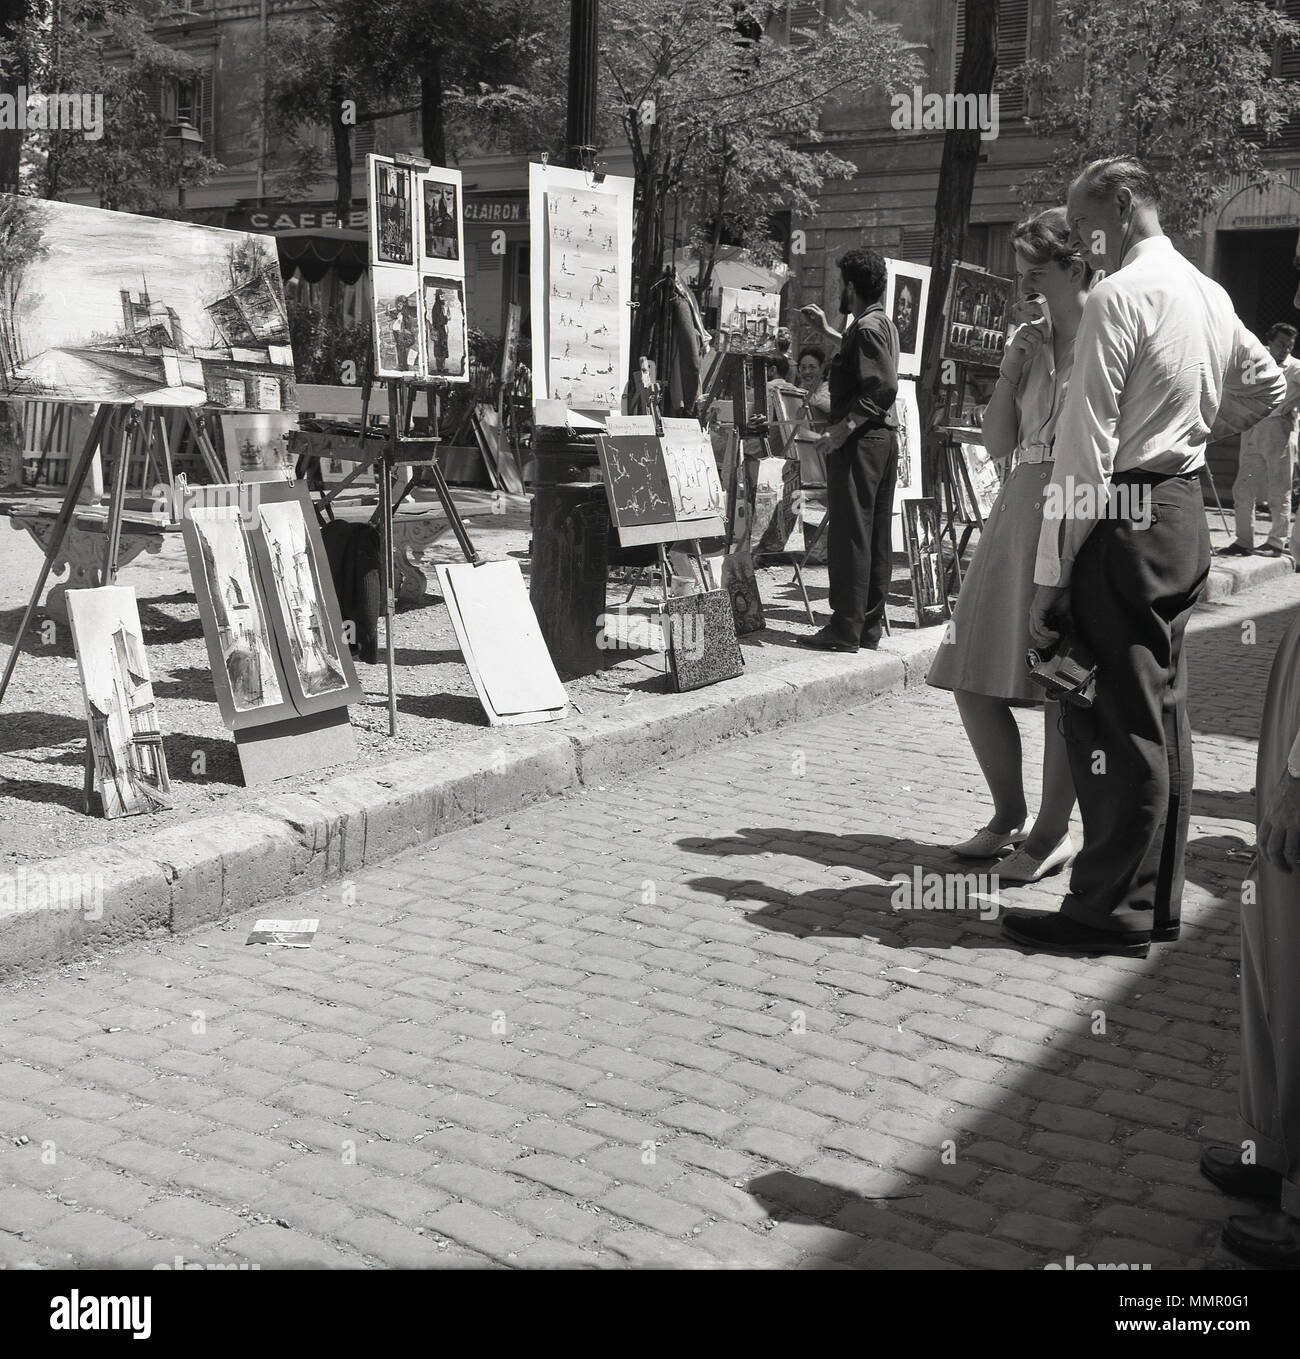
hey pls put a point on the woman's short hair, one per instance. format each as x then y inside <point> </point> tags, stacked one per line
<point>1046,238</point>
<point>811,349</point>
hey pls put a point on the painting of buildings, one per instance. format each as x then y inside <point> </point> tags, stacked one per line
<point>113,307</point>
<point>125,737</point>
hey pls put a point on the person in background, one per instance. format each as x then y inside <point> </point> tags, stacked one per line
<point>812,378</point>
<point>983,658</point>
<point>781,365</point>
<point>861,448</point>
<point>1266,459</point>
<point>1270,992</point>
<point>1162,366</point>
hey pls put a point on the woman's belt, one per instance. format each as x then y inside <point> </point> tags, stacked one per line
<point>1032,453</point>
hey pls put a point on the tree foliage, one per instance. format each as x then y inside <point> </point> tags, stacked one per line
<point>1185,85</point>
<point>724,118</point>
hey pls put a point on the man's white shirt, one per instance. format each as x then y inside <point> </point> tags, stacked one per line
<point>1162,366</point>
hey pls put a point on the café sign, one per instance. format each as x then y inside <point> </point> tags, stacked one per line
<point>497,209</point>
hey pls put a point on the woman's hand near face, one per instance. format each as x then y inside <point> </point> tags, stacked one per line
<point>1025,344</point>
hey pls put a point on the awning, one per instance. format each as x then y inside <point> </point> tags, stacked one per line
<point>315,251</point>
<point>729,271</point>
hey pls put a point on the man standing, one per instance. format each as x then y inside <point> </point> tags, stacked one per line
<point>1161,366</point>
<point>1267,453</point>
<point>861,449</point>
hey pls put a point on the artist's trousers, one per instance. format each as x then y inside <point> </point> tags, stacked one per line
<point>1132,591</point>
<point>860,477</point>
<point>1263,471</point>
<point>1270,955</point>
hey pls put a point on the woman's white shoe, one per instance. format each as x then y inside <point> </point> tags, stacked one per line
<point>988,843</point>
<point>1024,868</point>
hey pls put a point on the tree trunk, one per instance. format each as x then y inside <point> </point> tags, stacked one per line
<point>13,19</point>
<point>340,133</point>
<point>433,129</point>
<point>961,153</point>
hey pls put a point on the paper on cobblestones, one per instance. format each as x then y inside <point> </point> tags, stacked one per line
<point>284,933</point>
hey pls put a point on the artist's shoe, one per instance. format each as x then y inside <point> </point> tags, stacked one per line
<point>1023,867</point>
<point>869,641</point>
<point>1059,934</point>
<point>1235,550</point>
<point>828,640</point>
<point>1271,1239</point>
<point>1268,550</point>
<point>988,843</point>
<point>1223,1167</point>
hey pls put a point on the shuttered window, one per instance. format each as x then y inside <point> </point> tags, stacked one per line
<point>1013,50</point>
<point>805,17</point>
<point>1286,66</point>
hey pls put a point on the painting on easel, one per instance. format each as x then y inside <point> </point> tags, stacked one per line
<point>125,737</point>
<point>113,307</point>
<point>392,212</point>
<point>446,334</point>
<point>395,310</point>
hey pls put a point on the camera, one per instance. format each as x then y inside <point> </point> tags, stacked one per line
<point>1065,670</point>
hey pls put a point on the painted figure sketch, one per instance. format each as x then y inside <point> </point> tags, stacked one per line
<point>243,634</point>
<point>636,479</point>
<point>583,299</point>
<point>298,593</point>
<point>125,738</point>
<point>748,321</point>
<point>440,219</point>
<point>395,307</point>
<point>692,470</point>
<point>392,213</point>
<point>109,306</point>
<point>446,335</point>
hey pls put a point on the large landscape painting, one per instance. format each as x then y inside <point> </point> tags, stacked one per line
<point>109,306</point>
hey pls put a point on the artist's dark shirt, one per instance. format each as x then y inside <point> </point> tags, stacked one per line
<point>864,374</point>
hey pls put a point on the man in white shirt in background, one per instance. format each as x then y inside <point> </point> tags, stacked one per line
<point>1266,458</point>
<point>1162,365</point>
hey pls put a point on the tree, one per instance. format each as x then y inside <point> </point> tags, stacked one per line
<point>1184,85</point>
<point>961,153</point>
<point>21,242</point>
<point>725,119</point>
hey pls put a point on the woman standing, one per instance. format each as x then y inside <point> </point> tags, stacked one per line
<point>983,658</point>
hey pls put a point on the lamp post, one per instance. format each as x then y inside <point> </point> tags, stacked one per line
<point>179,138</point>
<point>580,131</point>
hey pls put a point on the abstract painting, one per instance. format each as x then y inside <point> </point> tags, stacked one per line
<point>112,307</point>
<point>125,738</point>
<point>748,321</point>
<point>636,481</point>
<point>700,635</point>
<point>692,470</point>
<point>907,295</point>
<point>241,645</point>
<point>392,212</point>
<point>446,334</point>
<point>440,217</point>
<point>399,350</point>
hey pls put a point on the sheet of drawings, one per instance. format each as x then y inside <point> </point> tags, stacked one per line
<point>638,481</point>
<point>692,470</point>
<point>583,303</point>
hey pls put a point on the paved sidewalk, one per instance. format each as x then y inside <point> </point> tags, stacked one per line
<point>671,1022</point>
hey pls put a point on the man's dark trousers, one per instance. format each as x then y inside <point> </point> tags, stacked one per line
<point>1132,591</point>
<point>860,478</point>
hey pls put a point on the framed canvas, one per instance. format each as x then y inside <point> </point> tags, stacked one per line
<point>114,307</point>
<point>908,414</point>
<point>396,314</point>
<point>442,234</point>
<point>748,321</point>
<point>391,203</point>
<point>242,652</point>
<point>777,527</point>
<point>980,479</point>
<point>636,483</point>
<point>741,585</point>
<point>256,443</point>
<point>921,538</point>
<point>977,312</point>
<point>907,295</point>
<point>692,471</point>
<point>445,342</point>
<point>122,716</point>
<point>302,607</point>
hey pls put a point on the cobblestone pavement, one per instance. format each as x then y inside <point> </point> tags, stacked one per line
<point>676,1022</point>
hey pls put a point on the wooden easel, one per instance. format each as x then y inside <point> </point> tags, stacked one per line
<point>384,454</point>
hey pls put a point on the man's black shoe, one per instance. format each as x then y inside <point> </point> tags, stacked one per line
<point>1235,550</point>
<point>1224,1169</point>
<point>869,641</point>
<point>1268,550</point>
<point>827,640</point>
<point>1271,1239</point>
<point>1059,934</point>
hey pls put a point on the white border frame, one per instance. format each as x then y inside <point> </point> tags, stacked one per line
<point>909,361</point>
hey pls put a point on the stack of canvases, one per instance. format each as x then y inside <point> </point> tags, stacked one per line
<point>666,490</point>
<point>417,258</point>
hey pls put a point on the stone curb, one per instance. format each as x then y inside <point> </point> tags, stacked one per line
<point>294,841</point>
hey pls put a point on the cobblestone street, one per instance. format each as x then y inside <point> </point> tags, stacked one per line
<point>676,1022</point>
